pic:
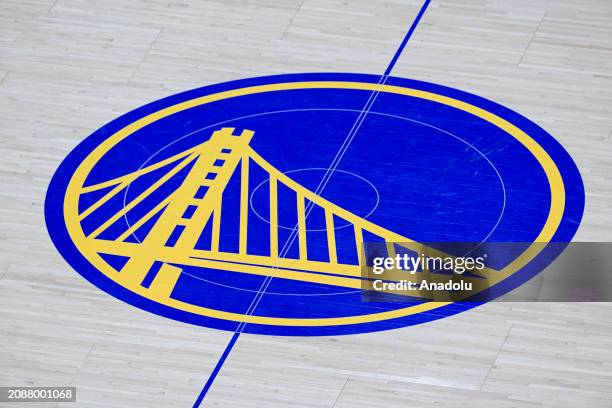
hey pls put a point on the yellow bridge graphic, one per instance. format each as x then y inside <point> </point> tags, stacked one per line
<point>185,212</point>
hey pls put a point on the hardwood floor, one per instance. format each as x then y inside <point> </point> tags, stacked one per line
<point>69,66</point>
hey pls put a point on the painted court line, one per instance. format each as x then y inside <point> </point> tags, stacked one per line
<point>343,148</point>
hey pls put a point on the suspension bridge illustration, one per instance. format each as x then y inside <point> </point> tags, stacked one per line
<point>197,202</point>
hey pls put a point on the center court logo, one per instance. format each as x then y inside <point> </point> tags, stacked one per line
<point>195,205</point>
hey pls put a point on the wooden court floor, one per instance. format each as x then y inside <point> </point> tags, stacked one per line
<point>69,66</point>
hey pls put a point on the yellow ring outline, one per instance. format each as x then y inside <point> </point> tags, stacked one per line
<point>553,175</point>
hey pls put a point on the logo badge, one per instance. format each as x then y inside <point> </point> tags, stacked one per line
<point>217,207</point>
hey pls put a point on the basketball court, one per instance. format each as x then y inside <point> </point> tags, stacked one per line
<point>197,195</point>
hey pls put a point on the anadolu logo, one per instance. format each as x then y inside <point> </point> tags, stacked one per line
<point>216,206</point>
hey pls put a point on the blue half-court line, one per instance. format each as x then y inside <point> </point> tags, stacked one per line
<point>357,124</point>
<point>402,45</point>
<point>217,368</point>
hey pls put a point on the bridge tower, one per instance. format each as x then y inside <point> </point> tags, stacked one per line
<point>194,203</point>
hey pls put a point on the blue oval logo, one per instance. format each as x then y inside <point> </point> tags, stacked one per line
<point>244,204</point>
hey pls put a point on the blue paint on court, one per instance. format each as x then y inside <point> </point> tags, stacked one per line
<point>426,162</point>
